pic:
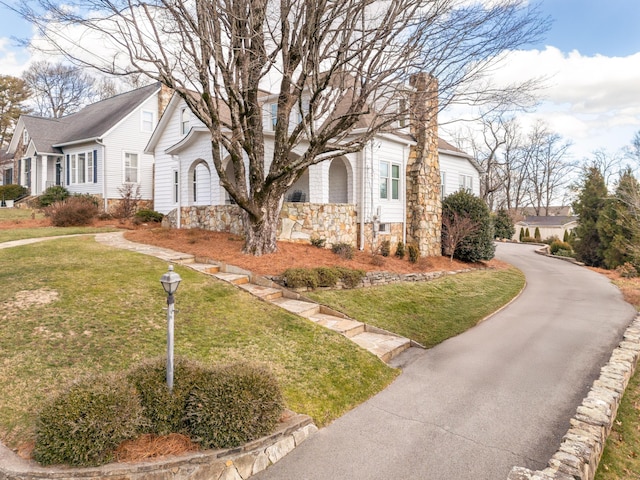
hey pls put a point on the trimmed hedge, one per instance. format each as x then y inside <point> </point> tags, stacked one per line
<point>163,410</point>
<point>313,278</point>
<point>84,425</point>
<point>233,405</point>
<point>148,216</point>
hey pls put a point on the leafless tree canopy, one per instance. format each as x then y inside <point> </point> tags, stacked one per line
<point>58,89</point>
<point>336,62</point>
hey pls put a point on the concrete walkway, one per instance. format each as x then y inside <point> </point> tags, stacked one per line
<point>499,395</point>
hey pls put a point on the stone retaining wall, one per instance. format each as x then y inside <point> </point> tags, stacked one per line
<point>232,464</point>
<point>582,446</point>
<point>299,222</point>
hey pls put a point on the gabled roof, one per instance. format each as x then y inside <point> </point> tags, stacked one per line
<point>90,123</point>
<point>549,221</point>
<point>553,211</point>
<point>5,156</point>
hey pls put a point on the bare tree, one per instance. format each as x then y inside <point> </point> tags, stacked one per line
<point>58,89</point>
<point>455,229</point>
<point>332,63</point>
<point>610,165</point>
<point>548,167</point>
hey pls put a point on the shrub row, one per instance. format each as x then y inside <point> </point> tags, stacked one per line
<point>12,192</point>
<point>217,407</point>
<point>322,277</point>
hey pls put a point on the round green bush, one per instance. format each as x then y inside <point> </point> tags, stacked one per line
<point>300,278</point>
<point>12,191</point>
<point>233,405</point>
<point>52,195</point>
<point>84,425</point>
<point>557,245</point>
<point>148,216</point>
<point>478,245</point>
<point>164,411</point>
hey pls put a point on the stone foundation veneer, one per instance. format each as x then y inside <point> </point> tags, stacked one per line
<point>232,464</point>
<point>582,446</point>
<point>299,222</point>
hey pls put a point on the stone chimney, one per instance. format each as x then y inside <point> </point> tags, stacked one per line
<point>424,206</point>
<point>163,98</point>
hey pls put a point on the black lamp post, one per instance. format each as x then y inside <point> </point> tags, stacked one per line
<point>170,282</point>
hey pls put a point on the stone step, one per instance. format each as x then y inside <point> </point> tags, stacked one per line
<point>347,327</point>
<point>385,347</point>
<point>205,268</point>
<point>266,293</point>
<point>183,258</point>
<point>232,278</point>
<point>304,309</point>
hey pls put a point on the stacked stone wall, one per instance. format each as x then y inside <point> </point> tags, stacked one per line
<point>299,222</point>
<point>373,238</point>
<point>582,446</point>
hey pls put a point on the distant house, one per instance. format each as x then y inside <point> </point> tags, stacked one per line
<point>361,198</point>
<point>96,151</point>
<point>6,167</point>
<point>552,211</point>
<point>549,226</point>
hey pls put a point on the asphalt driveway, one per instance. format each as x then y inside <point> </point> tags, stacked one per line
<point>497,396</point>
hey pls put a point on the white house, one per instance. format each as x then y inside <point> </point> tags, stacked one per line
<point>360,198</point>
<point>97,150</point>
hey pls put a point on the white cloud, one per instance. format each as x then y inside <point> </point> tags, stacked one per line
<point>13,60</point>
<point>594,101</point>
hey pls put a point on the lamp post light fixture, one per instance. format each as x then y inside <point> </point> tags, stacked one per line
<point>170,282</point>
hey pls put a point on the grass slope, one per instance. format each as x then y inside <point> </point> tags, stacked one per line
<point>428,312</point>
<point>108,315</point>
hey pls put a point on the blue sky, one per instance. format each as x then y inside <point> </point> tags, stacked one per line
<point>591,56</point>
<point>605,27</point>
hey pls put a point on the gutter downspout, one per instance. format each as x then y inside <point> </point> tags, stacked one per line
<point>362,195</point>
<point>104,174</point>
<point>404,190</point>
<point>179,212</point>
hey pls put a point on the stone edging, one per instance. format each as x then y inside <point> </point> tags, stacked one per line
<point>582,446</point>
<point>231,464</point>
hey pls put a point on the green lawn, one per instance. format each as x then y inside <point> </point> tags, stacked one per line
<point>621,456</point>
<point>108,315</point>
<point>23,233</point>
<point>12,214</point>
<point>428,312</point>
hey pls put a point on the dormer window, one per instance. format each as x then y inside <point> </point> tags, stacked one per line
<point>185,118</point>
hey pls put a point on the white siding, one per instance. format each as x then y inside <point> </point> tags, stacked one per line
<point>129,136</point>
<point>391,210</point>
<point>88,186</point>
<point>453,166</point>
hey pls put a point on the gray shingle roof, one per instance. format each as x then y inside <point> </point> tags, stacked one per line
<point>91,122</point>
<point>550,221</point>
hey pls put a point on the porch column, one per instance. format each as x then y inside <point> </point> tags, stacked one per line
<point>44,174</point>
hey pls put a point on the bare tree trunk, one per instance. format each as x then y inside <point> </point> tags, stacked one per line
<point>261,233</point>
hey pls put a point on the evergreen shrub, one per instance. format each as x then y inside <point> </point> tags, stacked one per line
<point>318,242</point>
<point>233,405</point>
<point>400,250</point>
<point>84,425</point>
<point>12,192</point>
<point>148,216</point>
<point>385,248</point>
<point>557,245</point>
<point>537,235</point>
<point>478,245</point>
<point>164,411</point>
<point>414,253</point>
<point>52,195</point>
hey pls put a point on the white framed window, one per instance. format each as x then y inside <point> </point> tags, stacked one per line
<point>389,180</point>
<point>185,120</point>
<point>274,115</point>
<point>25,137</point>
<point>82,166</point>
<point>395,181</point>
<point>131,166</point>
<point>195,184</point>
<point>384,179</point>
<point>466,182</point>
<point>384,228</point>
<point>148,121</point>
<point>443,182</point>
<point>176,186</point>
